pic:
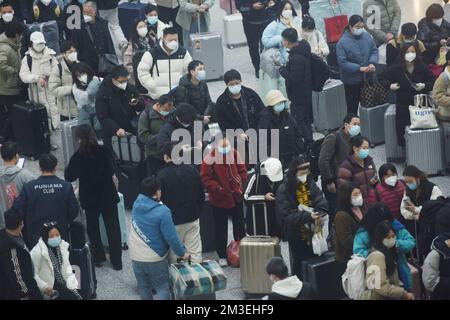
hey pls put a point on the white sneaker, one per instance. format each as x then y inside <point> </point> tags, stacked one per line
<point>223,263</point>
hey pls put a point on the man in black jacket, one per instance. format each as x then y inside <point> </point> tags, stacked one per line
<point>116,105</point>
<point>45,11</point>
<point>16,268</point>
<point>8,15</point>
<point>297,74</point>
<point>182,191</point>
<point>48,198</point>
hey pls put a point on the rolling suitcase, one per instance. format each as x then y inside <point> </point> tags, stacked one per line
<point>122,223</point>
<point>127,149</point>
<point>425,150</point>
<point>207,229</point>
<point>129,12</point>
<point>394,152</point>
<point>324,275</point>
<point>446,133</point>
<point>130,179</point>
<point>69,141</point>
<point>416,273</point>
<point>234,31</point>
<point>329,106</point>
<point>207,47</point>
<point>254,252</point>
<point>373,123</point>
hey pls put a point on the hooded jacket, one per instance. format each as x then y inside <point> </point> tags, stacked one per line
<point>9,67</point>
<point>196,95</point>
<point>291,288</point>
<point>431,36</point>
<point>436,268</point>
<point>12,180</point>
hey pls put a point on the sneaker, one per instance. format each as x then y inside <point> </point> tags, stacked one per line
<point>223,263</point>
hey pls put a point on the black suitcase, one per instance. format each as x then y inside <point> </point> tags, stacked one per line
<point>31,129</point>
<point>130,178</point>
<point>324,275</point>
<point>207,228</point>
<point>128,13</point>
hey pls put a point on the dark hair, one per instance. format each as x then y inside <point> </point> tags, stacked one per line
<point>46,230</point>
<point>13,218</point>
<point>149,186</point>
<point>290,35</point>
<point>66,45</point>
<point>119,71</point>
<point>280,8</point>
<point>382,230</point>
<point>88,140</point>
<point>168,148</point>
<point>82,68</point>
<point>291,183</point>
<point>165,99</point>
<point>277,267</point>
<point>357,141</point>
<point>186,113</point>
<point>308,23</point>
<point>13,28</point>
<point>134,36</point>
<point>231,75</point>
<point>149,8</point>
<point>401,56</point>
<point>349,117</point>
<point>354,19</point>
<point>374,215</point>
<point>447,57</point>
<point>413,171</point>
<point>435,11</point>
<point>169,30</point>
<point>409,29</point>
<point>344,197</point>
<point>192,65</point>
<point>385,168</point>
<point>9,150</point>
<point>48,163</point>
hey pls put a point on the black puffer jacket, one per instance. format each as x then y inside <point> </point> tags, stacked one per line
<point>265,15</point>
<point>298,74</point>
<point>197,96</point>
<point>431,36</point>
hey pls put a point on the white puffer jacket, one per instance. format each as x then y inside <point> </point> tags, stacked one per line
<point>44,273</point>
<point>60,86</point>
<point>167,71</point>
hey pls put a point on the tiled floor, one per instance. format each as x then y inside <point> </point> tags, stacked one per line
<point>121,284</point>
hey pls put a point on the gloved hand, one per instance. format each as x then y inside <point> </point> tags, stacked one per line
<point>395,86</point>
<point>419,86</point>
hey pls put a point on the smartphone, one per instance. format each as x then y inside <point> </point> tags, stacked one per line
<point>134,100</point>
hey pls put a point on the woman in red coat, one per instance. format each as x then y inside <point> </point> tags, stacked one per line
<point>224,175</point>
<point>390,190</point>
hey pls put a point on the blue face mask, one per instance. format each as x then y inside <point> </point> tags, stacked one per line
<point>357,32</point>
<point>412,186</point>
<point>225,150</point>
<point>152,20</point>
<point>82,1</point>
<point>54,242</point>
<point>235,90</point>
<point>164,113</point>
<point>201,75</point>
<point>354,130</point>
<point>363,153</point>
<point>279,107</point>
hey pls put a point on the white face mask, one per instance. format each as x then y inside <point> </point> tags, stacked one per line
<point>83,78</point>
<point>8,17</point>
<point>142,32</point>
<point>122,86</point>
<point>390,243</point>
<point>302,178</point>
<point>87,18</point>
<point>410,56</point>
<point>73,56</point>
<point>172,45</point>
<point>358,201</point>
<point>46,2</point>
<point>391,181</point>
<point>438,22</point>
<point>38,47</point>
<point>287,14</point>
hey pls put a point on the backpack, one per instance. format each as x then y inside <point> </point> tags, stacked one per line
<point>354,279</point>
<point>320,73</point>
<point>312,154</point>
<point>137,57</point>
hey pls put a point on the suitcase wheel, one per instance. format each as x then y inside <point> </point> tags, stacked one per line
<point>125,246</point>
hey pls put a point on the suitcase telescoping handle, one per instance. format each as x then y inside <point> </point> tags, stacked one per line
<point>180,260</point>
<point>265,218</point>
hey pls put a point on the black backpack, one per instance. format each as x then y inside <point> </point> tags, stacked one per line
<point>137,57</point>
<point>320,73</point>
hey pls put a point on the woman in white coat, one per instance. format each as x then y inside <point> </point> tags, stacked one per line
<point>53,271</point>
<point>314,37</point>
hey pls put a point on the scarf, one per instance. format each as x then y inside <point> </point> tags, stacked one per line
<point>56,259</point>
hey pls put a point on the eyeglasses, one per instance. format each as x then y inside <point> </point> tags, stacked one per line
<point>50,224</point>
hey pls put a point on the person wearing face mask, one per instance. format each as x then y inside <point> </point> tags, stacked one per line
<point>277,117</point>
<point>16,268</point>
<point>359,167</point>
<point>314,37</point>
<point>434,32</point>
<point>440,94</point>
<point>407,35</point>
<point>60,82</point>
<point>224,175</point>
<point>357,56</point>
<point>161,68</point>
<point>299,205</point>
<point>7,15</point>
<point>382,274</point>
<point>193,89</point>
<point>349,214</point>
<point>116,105</point>
<point>46,10</point>
<point>335,149</point>
<point>404,242</point>
<point>53,272</point>
<point>37,74</point>
<point>408,77</point>
<point>390,190</point>
<point>150,122</point>
<point>154,25</point>
<point>192,14</point>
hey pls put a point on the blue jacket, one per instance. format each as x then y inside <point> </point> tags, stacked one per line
<point>405,243</point>
<point>271,37</point>
<point>155,222</point>
<point>354,53</point>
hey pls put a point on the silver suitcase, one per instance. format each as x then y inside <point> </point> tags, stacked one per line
<point>329,106</point>
<point>425,150</point>
<point>69,141</point>
<point>207,47</point>
<point>446,133</point>
<point>234,31</point>
<point>394,152</point>
<point>372,123</point>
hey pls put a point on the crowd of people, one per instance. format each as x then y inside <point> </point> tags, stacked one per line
<point>153,87</point>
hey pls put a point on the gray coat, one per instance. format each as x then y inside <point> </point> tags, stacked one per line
<point>390,15</point>
<point>187,9</point>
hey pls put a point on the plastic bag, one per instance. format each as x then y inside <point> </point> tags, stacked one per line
<point>319,242</point>
<point>233,254</point>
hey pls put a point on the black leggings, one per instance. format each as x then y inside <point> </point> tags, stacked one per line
<point>253,33</point>
<point>353,97</point>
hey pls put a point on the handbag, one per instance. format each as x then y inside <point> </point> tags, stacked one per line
<point>270,62</point>
<point>373,93</point>
<point>106,61</point>
<point>335,26</point>
<point>422,113</point>
<point>319,242</point>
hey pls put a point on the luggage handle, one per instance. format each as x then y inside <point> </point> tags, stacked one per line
<point>180,260</point>
<point>265,219</point>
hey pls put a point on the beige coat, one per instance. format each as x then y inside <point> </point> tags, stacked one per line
<point>60,86</point>
<point>441,95</point>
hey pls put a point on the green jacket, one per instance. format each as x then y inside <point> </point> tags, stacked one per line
<point>148,128</point>
<point>10,63</point>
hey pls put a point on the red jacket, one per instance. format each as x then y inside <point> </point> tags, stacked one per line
<point>390,196</point>
<point>224,181</point>
<point>351,172</point>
